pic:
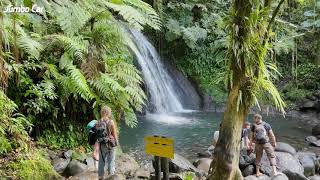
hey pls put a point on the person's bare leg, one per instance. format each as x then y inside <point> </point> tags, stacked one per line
<point>275,172</point>
<point>258,173</point>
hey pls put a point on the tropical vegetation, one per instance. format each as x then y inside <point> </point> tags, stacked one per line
<point>60,65</point>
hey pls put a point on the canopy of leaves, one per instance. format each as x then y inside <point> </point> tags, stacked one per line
<point>61,65</point>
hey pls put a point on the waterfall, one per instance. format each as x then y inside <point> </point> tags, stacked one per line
<point>160,85</point>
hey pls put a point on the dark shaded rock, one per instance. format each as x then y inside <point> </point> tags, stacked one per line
<point>311,139</point>
<point>307,160</point>
<point>317,94</point>
<point>253,177</point>
<point>250,170</point>
<point>246,160</point>
<point>314,177</point>
<point>316,130</point>
<point>280,176</point>
<point>243,163</point>
<point>126,165</point>
<point>60,164</point>
<point>142,174</point>
<point>67,154</point>
<point>205,154</point>
<point>250,158</point>
<point>175,176</point>
<point>284,147</point>
<point>285,161</point>
<point>316,143</point>
<point>179,164</point>
<point>308,105</point>
<point>203,164</point>
<point>74,168</point>
<point>294,176</point>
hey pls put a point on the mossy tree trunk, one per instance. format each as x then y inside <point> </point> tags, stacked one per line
<point>225,164</point>
<point>249,36</point>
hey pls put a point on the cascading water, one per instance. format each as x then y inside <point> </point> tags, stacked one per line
<point>160,85</point>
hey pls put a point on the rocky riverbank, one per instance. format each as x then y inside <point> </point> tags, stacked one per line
<point>293,165</point>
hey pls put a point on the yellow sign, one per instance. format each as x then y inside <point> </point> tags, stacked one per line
<point>159,146</point>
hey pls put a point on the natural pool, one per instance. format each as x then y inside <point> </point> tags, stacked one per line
<point>193,131</point>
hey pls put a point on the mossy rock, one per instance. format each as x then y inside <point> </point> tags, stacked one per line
<point>33,165</point>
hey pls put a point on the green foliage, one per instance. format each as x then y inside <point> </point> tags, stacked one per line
<point>62,65</point>
<point>33,165</point>
<point>195,33</point>
<point>13,127</point>
<point>68,137</point>
<point>188,176</point>
<point>307,81</point>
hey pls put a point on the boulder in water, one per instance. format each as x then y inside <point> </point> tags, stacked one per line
<point>307,160</point>
<point>205,154</point>
<point>211,148</point>
<point>311,139</point>
<point>316,130</point>
<point>284,147</point>
<point>316,143</point>
<point>74,168</point>
<point>60,164</point>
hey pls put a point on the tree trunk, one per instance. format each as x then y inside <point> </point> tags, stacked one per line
<point>226,155</point>
<point>225,164</point>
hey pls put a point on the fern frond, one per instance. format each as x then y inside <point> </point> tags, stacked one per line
<point>29,45</point>
<point>70,16</point>
<point>80,82</point>
<point>130,118</point>
<point>135,17</point>
<point>76,46</point>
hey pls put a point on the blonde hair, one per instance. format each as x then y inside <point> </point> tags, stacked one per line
<point>105,112</point>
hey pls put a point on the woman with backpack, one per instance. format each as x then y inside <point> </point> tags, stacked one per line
<point>107,139</point>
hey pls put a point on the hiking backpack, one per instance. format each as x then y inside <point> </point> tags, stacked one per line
<point>92,136</point>
<point>260,133</point>
<point>104,136</point>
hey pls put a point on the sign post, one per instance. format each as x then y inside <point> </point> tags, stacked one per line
<point>162,148</point>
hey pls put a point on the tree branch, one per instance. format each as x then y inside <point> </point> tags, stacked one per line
<point>274,14</point>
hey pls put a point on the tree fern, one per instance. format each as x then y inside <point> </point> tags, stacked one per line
<point>80,83</point>
<point>76,46</point>
<point>134,16</point>
<point>70,16</point>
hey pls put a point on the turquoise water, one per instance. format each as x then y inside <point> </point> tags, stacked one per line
<point>193,131</point>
